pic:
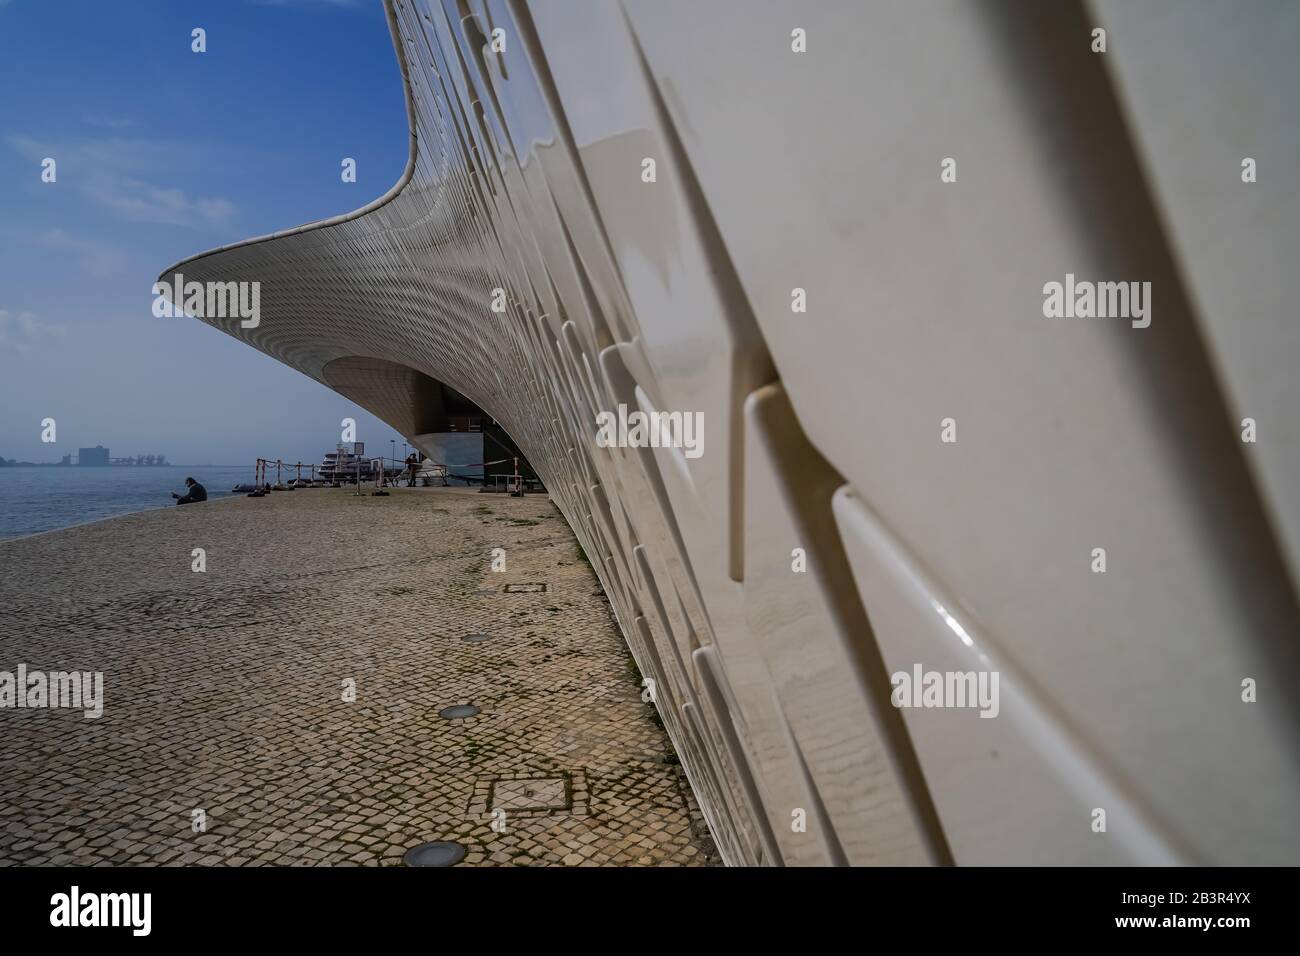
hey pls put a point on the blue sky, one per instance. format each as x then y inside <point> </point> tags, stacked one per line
<point>162,153</point>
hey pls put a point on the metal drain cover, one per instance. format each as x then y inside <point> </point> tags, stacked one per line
<point>459,710</point>
<point>438,853</point>
<point>530,793</point>
<point>476,638</point>
<point>530,587</point>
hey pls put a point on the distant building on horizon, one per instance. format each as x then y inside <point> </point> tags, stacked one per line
<point>92,456</point>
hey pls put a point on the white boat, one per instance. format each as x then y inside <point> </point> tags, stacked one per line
<point>346,467</point>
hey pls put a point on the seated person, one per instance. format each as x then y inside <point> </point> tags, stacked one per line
<point>194,492</point>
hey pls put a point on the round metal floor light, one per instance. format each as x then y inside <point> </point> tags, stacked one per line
<point>476,638</point>
<point>459,710</point>
<point>438,853</point>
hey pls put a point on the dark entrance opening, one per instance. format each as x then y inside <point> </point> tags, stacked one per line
<point>500,453</point>
<point>446,426</point>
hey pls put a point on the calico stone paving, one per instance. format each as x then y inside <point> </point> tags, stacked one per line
<point>227,739</point>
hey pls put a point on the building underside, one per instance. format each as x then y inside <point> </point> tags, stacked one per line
<point>777,171</point>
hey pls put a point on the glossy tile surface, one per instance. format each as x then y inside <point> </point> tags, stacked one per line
<point>777,171</point>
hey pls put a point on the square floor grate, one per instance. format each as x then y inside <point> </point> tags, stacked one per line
<point>531,794</point>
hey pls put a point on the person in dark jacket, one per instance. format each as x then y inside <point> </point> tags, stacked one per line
<point>194,492</point>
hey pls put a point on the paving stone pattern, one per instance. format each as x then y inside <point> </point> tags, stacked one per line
<point>224,691</point>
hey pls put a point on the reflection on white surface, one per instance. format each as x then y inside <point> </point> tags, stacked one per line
<point>954,625</point>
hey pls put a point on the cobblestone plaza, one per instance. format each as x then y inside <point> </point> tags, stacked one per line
<point>227,737</point>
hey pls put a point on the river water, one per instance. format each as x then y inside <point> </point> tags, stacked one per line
<point>42,499</point>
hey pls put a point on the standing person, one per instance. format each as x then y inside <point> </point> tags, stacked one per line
<point>412,466</point>
<point>193,492</point>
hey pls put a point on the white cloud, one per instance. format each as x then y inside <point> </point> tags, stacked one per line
<point>101,260</point>
<point>139,201</point>
<point>106,121</point>
<point>109,172</point>
<point>22,330</point>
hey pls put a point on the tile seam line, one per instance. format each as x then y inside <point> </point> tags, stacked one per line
<point>1052,731</point>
